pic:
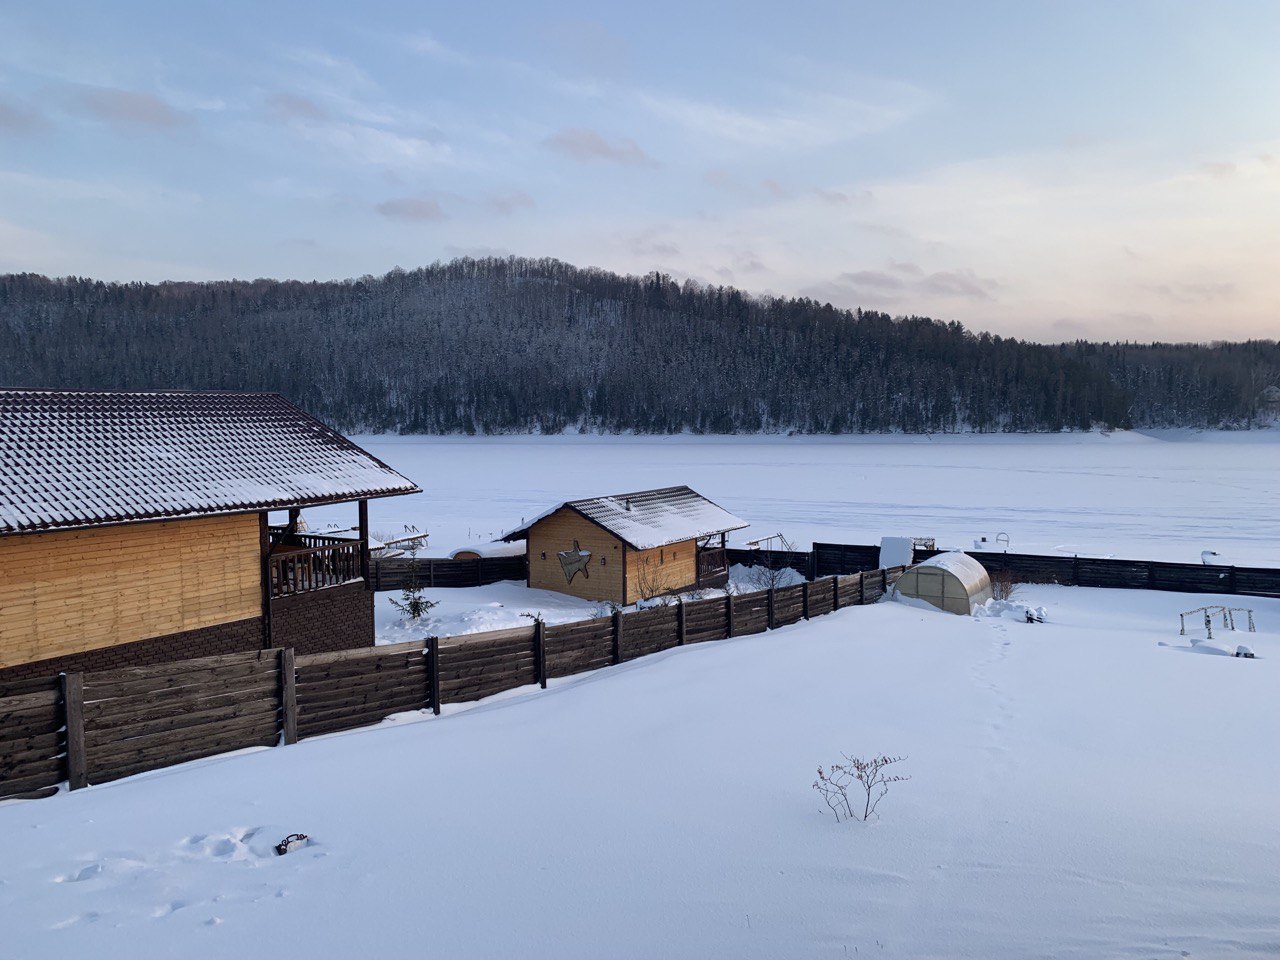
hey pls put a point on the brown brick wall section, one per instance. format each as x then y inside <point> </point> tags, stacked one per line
<point>321,621</point>
<point>235,637</point>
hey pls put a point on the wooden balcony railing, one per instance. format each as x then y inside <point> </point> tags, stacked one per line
<point>713,567</point>
<point>299,569</point>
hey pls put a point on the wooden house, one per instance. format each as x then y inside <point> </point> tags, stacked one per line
<point>630,546</point>
<point>134,529</point>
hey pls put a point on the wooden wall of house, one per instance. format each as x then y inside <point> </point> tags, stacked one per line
<point>558,532</point>
<point>661,570</point>
<point>68,592</point>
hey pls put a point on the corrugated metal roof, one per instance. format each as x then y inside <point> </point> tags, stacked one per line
<point>78,459</point>
<point>649,518</point>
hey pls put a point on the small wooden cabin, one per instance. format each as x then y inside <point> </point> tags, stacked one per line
<point>134,529</point>
<point>630,546</point>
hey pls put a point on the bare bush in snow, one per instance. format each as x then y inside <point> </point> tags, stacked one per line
<point>1002,585</point>
<point>867,780</point>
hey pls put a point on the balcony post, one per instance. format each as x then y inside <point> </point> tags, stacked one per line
<point>364,544</point>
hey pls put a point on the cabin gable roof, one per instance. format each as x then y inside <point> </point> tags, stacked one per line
<point>647,518</point>
<point>72,459</point>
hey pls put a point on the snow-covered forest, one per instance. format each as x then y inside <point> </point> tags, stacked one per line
<point>521,345</point>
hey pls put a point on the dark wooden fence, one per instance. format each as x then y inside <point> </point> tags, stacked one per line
<point>837,559</point>
<point>400,572</point>
<point>87,728</point>
<point>834,558</point>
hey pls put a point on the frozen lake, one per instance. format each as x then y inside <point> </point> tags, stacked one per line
<point>1148,496</point>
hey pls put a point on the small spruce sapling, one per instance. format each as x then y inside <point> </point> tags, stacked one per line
<point>867,780</point>
<point>412,603</point>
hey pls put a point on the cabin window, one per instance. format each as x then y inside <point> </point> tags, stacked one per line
<point>602,560</point>
<point>544,555</point>
<point>662,556</point>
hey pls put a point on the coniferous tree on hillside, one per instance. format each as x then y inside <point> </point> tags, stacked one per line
<point>499,345</point>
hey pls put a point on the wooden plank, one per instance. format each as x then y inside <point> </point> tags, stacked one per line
<point>176,667</point>
<point>339,672</point>
<point>183,754</point>
<point>334,698</point>
<point>288,696</point>
<point>73,714</point>
<point>21,787</point>
<point>160,750</point>
<point>617,636</point>
<point>433,667</point>
<point>360,654</point>
<point>97,740</point>
<point>105,714</point>
<point>360,713</point>
<point>480,639</point>
<point>225,676</point>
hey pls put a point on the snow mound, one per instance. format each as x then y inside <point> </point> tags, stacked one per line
<point>750,579</point>
<point>1008,610</point>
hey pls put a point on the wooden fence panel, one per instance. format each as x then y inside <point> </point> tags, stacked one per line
<point>831,559</point>
<point>788,605</point>
<point>705,620</point>
<point>850,587</point>
<point>398,572</point>
<point>33,744</point>
<point>575,647</point>
<point>1257,582</point>
<point>798,560</point>
<point>355,688</point>
<point>649,631</point>
<point>821,597</point>
<point>143,718</point>
<point>478,666</point>
<point>751,613</point>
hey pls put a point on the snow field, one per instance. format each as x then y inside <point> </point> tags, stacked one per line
<point>1078,790</point>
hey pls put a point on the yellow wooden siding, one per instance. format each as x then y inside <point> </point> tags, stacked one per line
<point>558,532</point>
<point>77,590</point>
<point>661,570</point>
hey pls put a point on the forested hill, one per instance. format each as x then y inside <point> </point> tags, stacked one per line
<point>528,345</point>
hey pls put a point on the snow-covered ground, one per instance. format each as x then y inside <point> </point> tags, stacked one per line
<point>1159,496</point>
<point>1162,496</point>
<point>1078,790</point>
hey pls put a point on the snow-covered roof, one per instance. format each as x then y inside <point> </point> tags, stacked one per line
<point>648,518</point>
<point>966,569</point>
<point>496,549</point>
<point>81,459</point>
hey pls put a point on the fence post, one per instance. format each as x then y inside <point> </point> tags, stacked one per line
<point>884,580</point>
<point>679,623</point>
<point>73,715</point>
<point>812,573</point>
<point>617,636</point>
<point>728,615</point>
<point>862,589</point>
<point>433,667</point>
<point>804,600</point>
<point>1075,570</point>
<point>1151,576</point>
<point>288,696</point>
<point>770,608</point>
<point>540,651</point>
<point>835,593</point>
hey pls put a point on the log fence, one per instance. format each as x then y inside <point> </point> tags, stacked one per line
<point>89,728</point>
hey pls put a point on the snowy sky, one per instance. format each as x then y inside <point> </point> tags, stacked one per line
<point>1050,170</point>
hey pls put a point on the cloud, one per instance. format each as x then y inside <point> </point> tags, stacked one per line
<point>477,253</point>
<point>1191,292</point>
<point>1219,170</point>
<point>17,119</point>
<point>587,145</point>
<point>429,46</point>
<point>125,111</point>
<point>411,209</point>
<point>903,283</point>
<point>290,106</point>
<point>801,120</point>
<point>506,204</point>
<point>957,283</point>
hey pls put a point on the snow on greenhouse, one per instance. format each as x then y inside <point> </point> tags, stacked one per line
<point>954,582</point>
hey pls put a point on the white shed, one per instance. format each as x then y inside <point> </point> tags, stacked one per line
<point>953,582</point>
